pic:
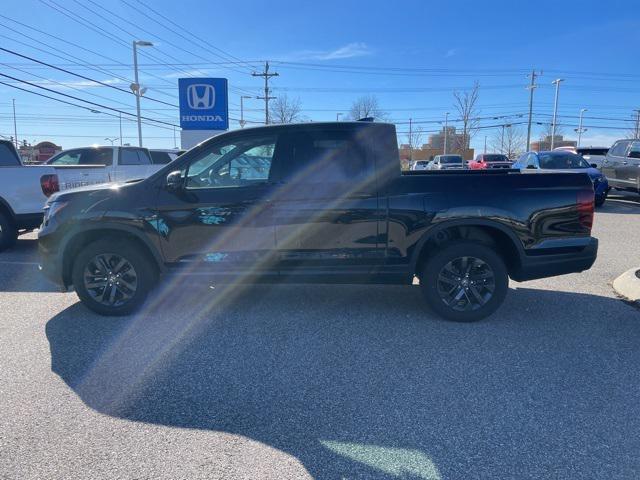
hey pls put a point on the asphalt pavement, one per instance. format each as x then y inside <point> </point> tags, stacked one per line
<point>320,381</point>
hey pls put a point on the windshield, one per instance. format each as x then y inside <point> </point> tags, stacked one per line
<point>562,161</point>
<point>495,158</point>
<point>451,159</point>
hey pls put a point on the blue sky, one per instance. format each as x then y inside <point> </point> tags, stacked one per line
<point>411,55</point>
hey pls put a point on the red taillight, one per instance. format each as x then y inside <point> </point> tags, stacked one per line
<point>585,203</point>
<point>49,184</point>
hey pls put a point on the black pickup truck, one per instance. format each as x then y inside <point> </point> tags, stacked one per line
<point>320,202</point>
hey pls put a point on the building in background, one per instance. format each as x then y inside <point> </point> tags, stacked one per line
<point>39,153</point>
<point>545,143</point>
<point>454,140</point>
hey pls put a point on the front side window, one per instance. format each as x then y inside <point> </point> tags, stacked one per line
<point>619,149</point>
<point>84,156</point>
<point>8,157</point>
<point>242,162</point>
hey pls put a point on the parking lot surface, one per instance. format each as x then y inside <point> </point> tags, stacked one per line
<point>323,381</point>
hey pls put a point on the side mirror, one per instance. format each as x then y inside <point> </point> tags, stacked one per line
<point>174,181</point>
<point>594,165</point>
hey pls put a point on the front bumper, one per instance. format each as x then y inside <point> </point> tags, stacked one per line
<point>550,265</point>
<point>51,264</point>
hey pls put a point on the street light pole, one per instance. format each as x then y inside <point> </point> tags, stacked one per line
<point>15,125</point>
<point>582,110</point>
<point>242,122</point>
<point>120,115</point>
<point>555,111</point>
<point>111,140</point>
<point>531,88</point>
<point>136,86</point>
<point>446,123</point>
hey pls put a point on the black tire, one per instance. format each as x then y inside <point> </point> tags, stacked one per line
<point>141,276</point>
<point>8,232</point>
<point>486,281</point>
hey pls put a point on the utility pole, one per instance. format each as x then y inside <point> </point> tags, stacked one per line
<point>15,125</point>
<point>555,111</point>
<point>580,130</point>
<point>120,115</point>
<point>502,140</point>
<point>532,86</point>
<point>135,87</point>
<point>637,135</point>
<point>485,144</point>
<point>410,140</point>
<point>446,122</point>
<point>267,76</point>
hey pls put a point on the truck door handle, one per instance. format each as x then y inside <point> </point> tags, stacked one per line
<point>360,195</point>
<point>625,163</point>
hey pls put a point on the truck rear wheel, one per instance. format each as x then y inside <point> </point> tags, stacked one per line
<point>113,277</point>
<point>8,232</point>
<point>464,282</point>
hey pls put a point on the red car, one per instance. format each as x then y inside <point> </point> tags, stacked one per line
<point>490,160</point>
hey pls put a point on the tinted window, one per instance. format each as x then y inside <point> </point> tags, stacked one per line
<point>160,157</point>
<point>241,162</point>
<point>329,157</point>
<point>619,149</point>
<point>593,151</point>
<point>634,151</point>
<point>83,156</point>
<point>450,159</point>
<point>495,158</point>
<point>562,161</point>
<point>133,157</point>
<point>422,163</point>
<point>8,156</point>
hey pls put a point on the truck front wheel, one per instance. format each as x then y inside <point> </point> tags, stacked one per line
<point>113,277</point>
<point>465,281</point>
<point>8,232</point>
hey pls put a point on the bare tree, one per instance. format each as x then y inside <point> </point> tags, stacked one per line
<point>285,109</point>
<point>511,141</point>
<point>465,103</point>
<point>415,139</point>
<point>366,106</point>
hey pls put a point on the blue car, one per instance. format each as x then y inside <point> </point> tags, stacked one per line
<point>563,161</point>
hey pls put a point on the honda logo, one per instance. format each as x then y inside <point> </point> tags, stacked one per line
<point>201,96</point>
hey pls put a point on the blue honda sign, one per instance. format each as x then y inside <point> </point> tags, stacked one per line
<point>203,103</point>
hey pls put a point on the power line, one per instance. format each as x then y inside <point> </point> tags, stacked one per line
<point>79,99</point>
<point>128,92</point>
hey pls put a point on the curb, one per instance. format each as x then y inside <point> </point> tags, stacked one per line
<point>627,285</point>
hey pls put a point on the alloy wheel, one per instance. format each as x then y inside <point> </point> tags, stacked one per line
<point>466,283</point>
<point>110,279</point>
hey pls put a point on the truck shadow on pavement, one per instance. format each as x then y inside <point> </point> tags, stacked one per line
<point>361,382</point>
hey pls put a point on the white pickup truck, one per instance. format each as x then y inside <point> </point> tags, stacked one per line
<point>24,188</point>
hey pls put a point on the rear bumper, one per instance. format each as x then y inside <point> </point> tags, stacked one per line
<point>550,265</point>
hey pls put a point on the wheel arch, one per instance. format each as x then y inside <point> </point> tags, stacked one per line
<point>83,237</point>
<point>493,234</point>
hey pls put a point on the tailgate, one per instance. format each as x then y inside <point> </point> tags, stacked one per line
<point>71,176</point>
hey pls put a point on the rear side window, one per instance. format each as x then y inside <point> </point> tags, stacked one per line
<point>8,156</point>
<point>161,158</point>
<point>129,156</point>
<point>619,149</point>
<point>329,157</point>
<point>84,156</point>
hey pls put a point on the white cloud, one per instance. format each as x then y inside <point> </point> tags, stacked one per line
<point>350,50</point>
<point>451,52</point>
